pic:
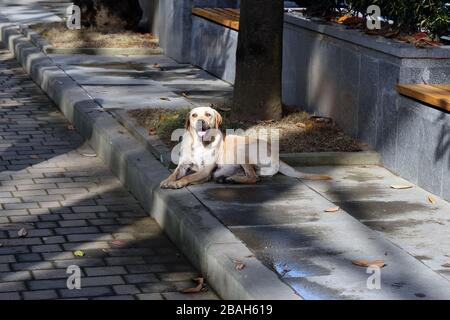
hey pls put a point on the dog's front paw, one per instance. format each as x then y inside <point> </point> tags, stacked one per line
<point>165,184</point>
<point>172,185</point>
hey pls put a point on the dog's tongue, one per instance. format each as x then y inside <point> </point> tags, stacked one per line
<point>201,134</point>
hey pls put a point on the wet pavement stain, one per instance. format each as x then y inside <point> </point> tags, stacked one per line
<point>264,214</point>
<point>390,227</point>
<point>279,237</point>
<point>251,195</point>
<point>371,210</point>
<point>358,192</point>
<point>309,290</point>
<point>361,177</point>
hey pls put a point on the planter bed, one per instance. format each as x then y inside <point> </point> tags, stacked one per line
<point>357,154</point>
<point>54,38</point>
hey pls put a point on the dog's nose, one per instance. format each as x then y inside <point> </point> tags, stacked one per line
<point>201,125</point>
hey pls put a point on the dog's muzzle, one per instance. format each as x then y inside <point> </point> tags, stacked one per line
<point>202,128</point>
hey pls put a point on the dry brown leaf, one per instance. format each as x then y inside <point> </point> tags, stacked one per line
<point>446,265</point>
<point>184,94</point>
<point>152,131</point>
<point>71,127</point>
<point>224,109</point>
<point>34,156</point>
<point>164,99</point>
<point>198,288</point>
<point>401,186</point>
<point>367,263</point>
<point>334,209</point>
<point>431,200</point>
<point>22,233</point>
<point>118,243</point>
<point>156,65</point>
<point>89,155</point>
<point>239,265</point>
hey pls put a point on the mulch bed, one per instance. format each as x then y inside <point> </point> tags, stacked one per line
<point>299,131</point>
<point>59,36</point>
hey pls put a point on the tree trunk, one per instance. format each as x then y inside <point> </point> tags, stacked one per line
<point>257,90</point>
<point>108,13</point>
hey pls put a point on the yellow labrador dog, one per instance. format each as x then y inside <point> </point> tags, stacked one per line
<point>206,155</point>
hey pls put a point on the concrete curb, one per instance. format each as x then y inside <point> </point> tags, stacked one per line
<point>47,48</point>
<point>207,243</point>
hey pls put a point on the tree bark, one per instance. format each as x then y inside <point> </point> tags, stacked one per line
<point>257,90</point>
<point>109,13</point>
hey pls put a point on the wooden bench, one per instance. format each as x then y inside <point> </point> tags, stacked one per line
<point>227,17</point>
<point>437,95</point>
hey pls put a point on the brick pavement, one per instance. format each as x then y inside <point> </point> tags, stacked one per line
<point>52,185</point>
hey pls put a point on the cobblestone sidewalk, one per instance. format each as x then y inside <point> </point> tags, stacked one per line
<point>53,186</point>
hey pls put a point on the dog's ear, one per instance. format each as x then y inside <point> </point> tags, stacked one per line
<point>187,122</point>
<point>218,119</point>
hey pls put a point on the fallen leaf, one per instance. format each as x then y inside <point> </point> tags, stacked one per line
<point>334,209</point>
<point>164,99</point>
<point>184,94</point>
<point>118,243</point>
<point>156,65</point>
<point>89,155</point>
<point>152,131</point>
<point>71,127</point>
<point>198,288</point>
<point>224,109</point>
<point>431,200</point>
<point>401,187</point>
<point>301,125</point>
<point>34,156</point>
<point>22,233</point>
<point>367,263</point>
<point>447,265</point>
<point>239,265</point>
<point>78,253</point>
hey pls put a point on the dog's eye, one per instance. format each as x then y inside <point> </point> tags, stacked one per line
<point>194,115</point>
<point>208,114</point>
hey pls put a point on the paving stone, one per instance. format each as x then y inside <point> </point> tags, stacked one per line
<point>67,202</point>
<point>40,295</point>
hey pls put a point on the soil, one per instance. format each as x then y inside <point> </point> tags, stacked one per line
<point>59,36</point>
<point>299,131</point>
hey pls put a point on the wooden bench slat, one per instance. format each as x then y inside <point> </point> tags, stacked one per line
<point>217,17</point>
<point>430,94</point>
<point>445,87</point>
<point>223,13</point>
<point>231,13</point>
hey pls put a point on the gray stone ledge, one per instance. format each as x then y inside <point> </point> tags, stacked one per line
<point>378,43</point>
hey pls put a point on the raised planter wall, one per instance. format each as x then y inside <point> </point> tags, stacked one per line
<point>351,77</point>
<point>171,21</point>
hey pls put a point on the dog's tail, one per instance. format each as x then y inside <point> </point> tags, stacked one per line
<point>287,170</point>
